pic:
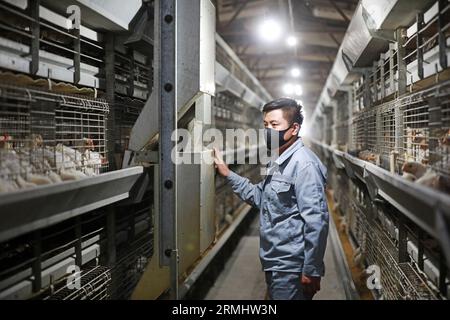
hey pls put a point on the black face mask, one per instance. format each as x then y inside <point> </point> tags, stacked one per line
<point>275,135</point>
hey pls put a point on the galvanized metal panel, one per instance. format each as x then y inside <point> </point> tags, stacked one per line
<point>188,214</point>
<point>207,202</point>
<point>110,15</point>
<point>195,51</point>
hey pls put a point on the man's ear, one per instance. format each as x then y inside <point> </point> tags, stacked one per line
<point>297,129</point>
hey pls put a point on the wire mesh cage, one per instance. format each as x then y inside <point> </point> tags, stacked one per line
<point>416,133</point>
<point>89,284</point>
<point>342,122</point>
<point>426,136</point>
<point>386,129</point>
<point>47,138</point>
<point>399,280</point>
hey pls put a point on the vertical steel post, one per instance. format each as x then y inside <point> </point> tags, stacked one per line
<point>33,8</point>
<point>168,123</point>
<point>110,97</point>
<point>401,65</point>
<point>442,37</point>
<point>419,43</point>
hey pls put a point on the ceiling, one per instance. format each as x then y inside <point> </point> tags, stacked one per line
<point>319,26</point>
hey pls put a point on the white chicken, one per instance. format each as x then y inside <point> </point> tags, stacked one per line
<point>8,185</point>
<point>71,174</point>
<point>38,179</point>
<point>36,164</point>
<point>93,162</point>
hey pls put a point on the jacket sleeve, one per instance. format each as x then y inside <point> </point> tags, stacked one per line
<point>248,192</point>
<point>312,205</point>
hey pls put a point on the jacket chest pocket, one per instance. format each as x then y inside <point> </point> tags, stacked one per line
<point>280,186</point>
<point>281,192</point>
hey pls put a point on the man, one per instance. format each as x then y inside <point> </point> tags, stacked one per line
<point>293,208</point>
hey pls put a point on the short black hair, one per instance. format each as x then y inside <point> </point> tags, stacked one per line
<point>292,110</point>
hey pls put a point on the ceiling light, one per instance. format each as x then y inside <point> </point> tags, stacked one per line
<point>295,72</point>
<point>298,90</point>
<point>270,30</point>
<point>288,89</point>
<point>291,41</point>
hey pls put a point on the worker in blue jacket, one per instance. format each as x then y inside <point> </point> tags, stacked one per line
<point>293,207</point>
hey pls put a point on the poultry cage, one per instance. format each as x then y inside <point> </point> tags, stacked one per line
<point>47,138</point>
<point>231,112</point>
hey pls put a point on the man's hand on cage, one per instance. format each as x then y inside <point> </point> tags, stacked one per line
<point>220,165</point>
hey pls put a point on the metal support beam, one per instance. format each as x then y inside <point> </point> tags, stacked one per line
<point>110,96</point>
<point>338,9</point>
<point>443,272</point>
<point>435,126</point>
<point>402,241</point>
<point>168,122</point>
<point>400,34</point>
<point>333,37</point>
<point>391,67</point>
<point>111,235</point>
<point>419,43</point>
<point>37,266</point>
<point>77,56</point>
<point>382,77</point>
<point>242,6</point>
<point>78,240</point>
<point>33,7</point>
<point>420,249</point>
<point>130,80</point>
<point>442,37</point>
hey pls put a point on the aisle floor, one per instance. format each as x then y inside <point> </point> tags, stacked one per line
<point>243,279</point>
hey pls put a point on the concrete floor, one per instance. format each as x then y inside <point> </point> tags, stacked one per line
<point>243,279</point>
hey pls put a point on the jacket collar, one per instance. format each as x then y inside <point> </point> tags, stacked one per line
<point>289,151</point>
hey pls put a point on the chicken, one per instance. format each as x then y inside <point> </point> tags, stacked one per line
<point>38,179</point>
<point>417,172</point>
<point>85,144</point>
<point>93,161</point>
<point>35,141</point>
<point>434,180</point>
<point>414,168</point>
<point>358,257</point>
<point>343,224</point>
<point>393,155</point>
<point>443,149</point>
<point>54,177</point>
<point>71,174</point>
<point>67,157</point>
<point>366,155</point>
<point>419,138</point>
<point>7,185</point>
<point>5,142</point>
<point>35,164</point>
<point>24,184</point>
<point>13,163</point>
<point>444,138</point>
<point>417,145</point>
<point>409,176</point>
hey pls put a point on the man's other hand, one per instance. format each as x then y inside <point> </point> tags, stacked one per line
<point>220,165</point>
<point>310,285</point>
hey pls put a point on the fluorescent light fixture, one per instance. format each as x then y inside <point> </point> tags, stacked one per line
<point>288,89</point>
<point>291,41</point>
<point>270,30</point>
<point>292,89</point>
<point>295,72</point>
